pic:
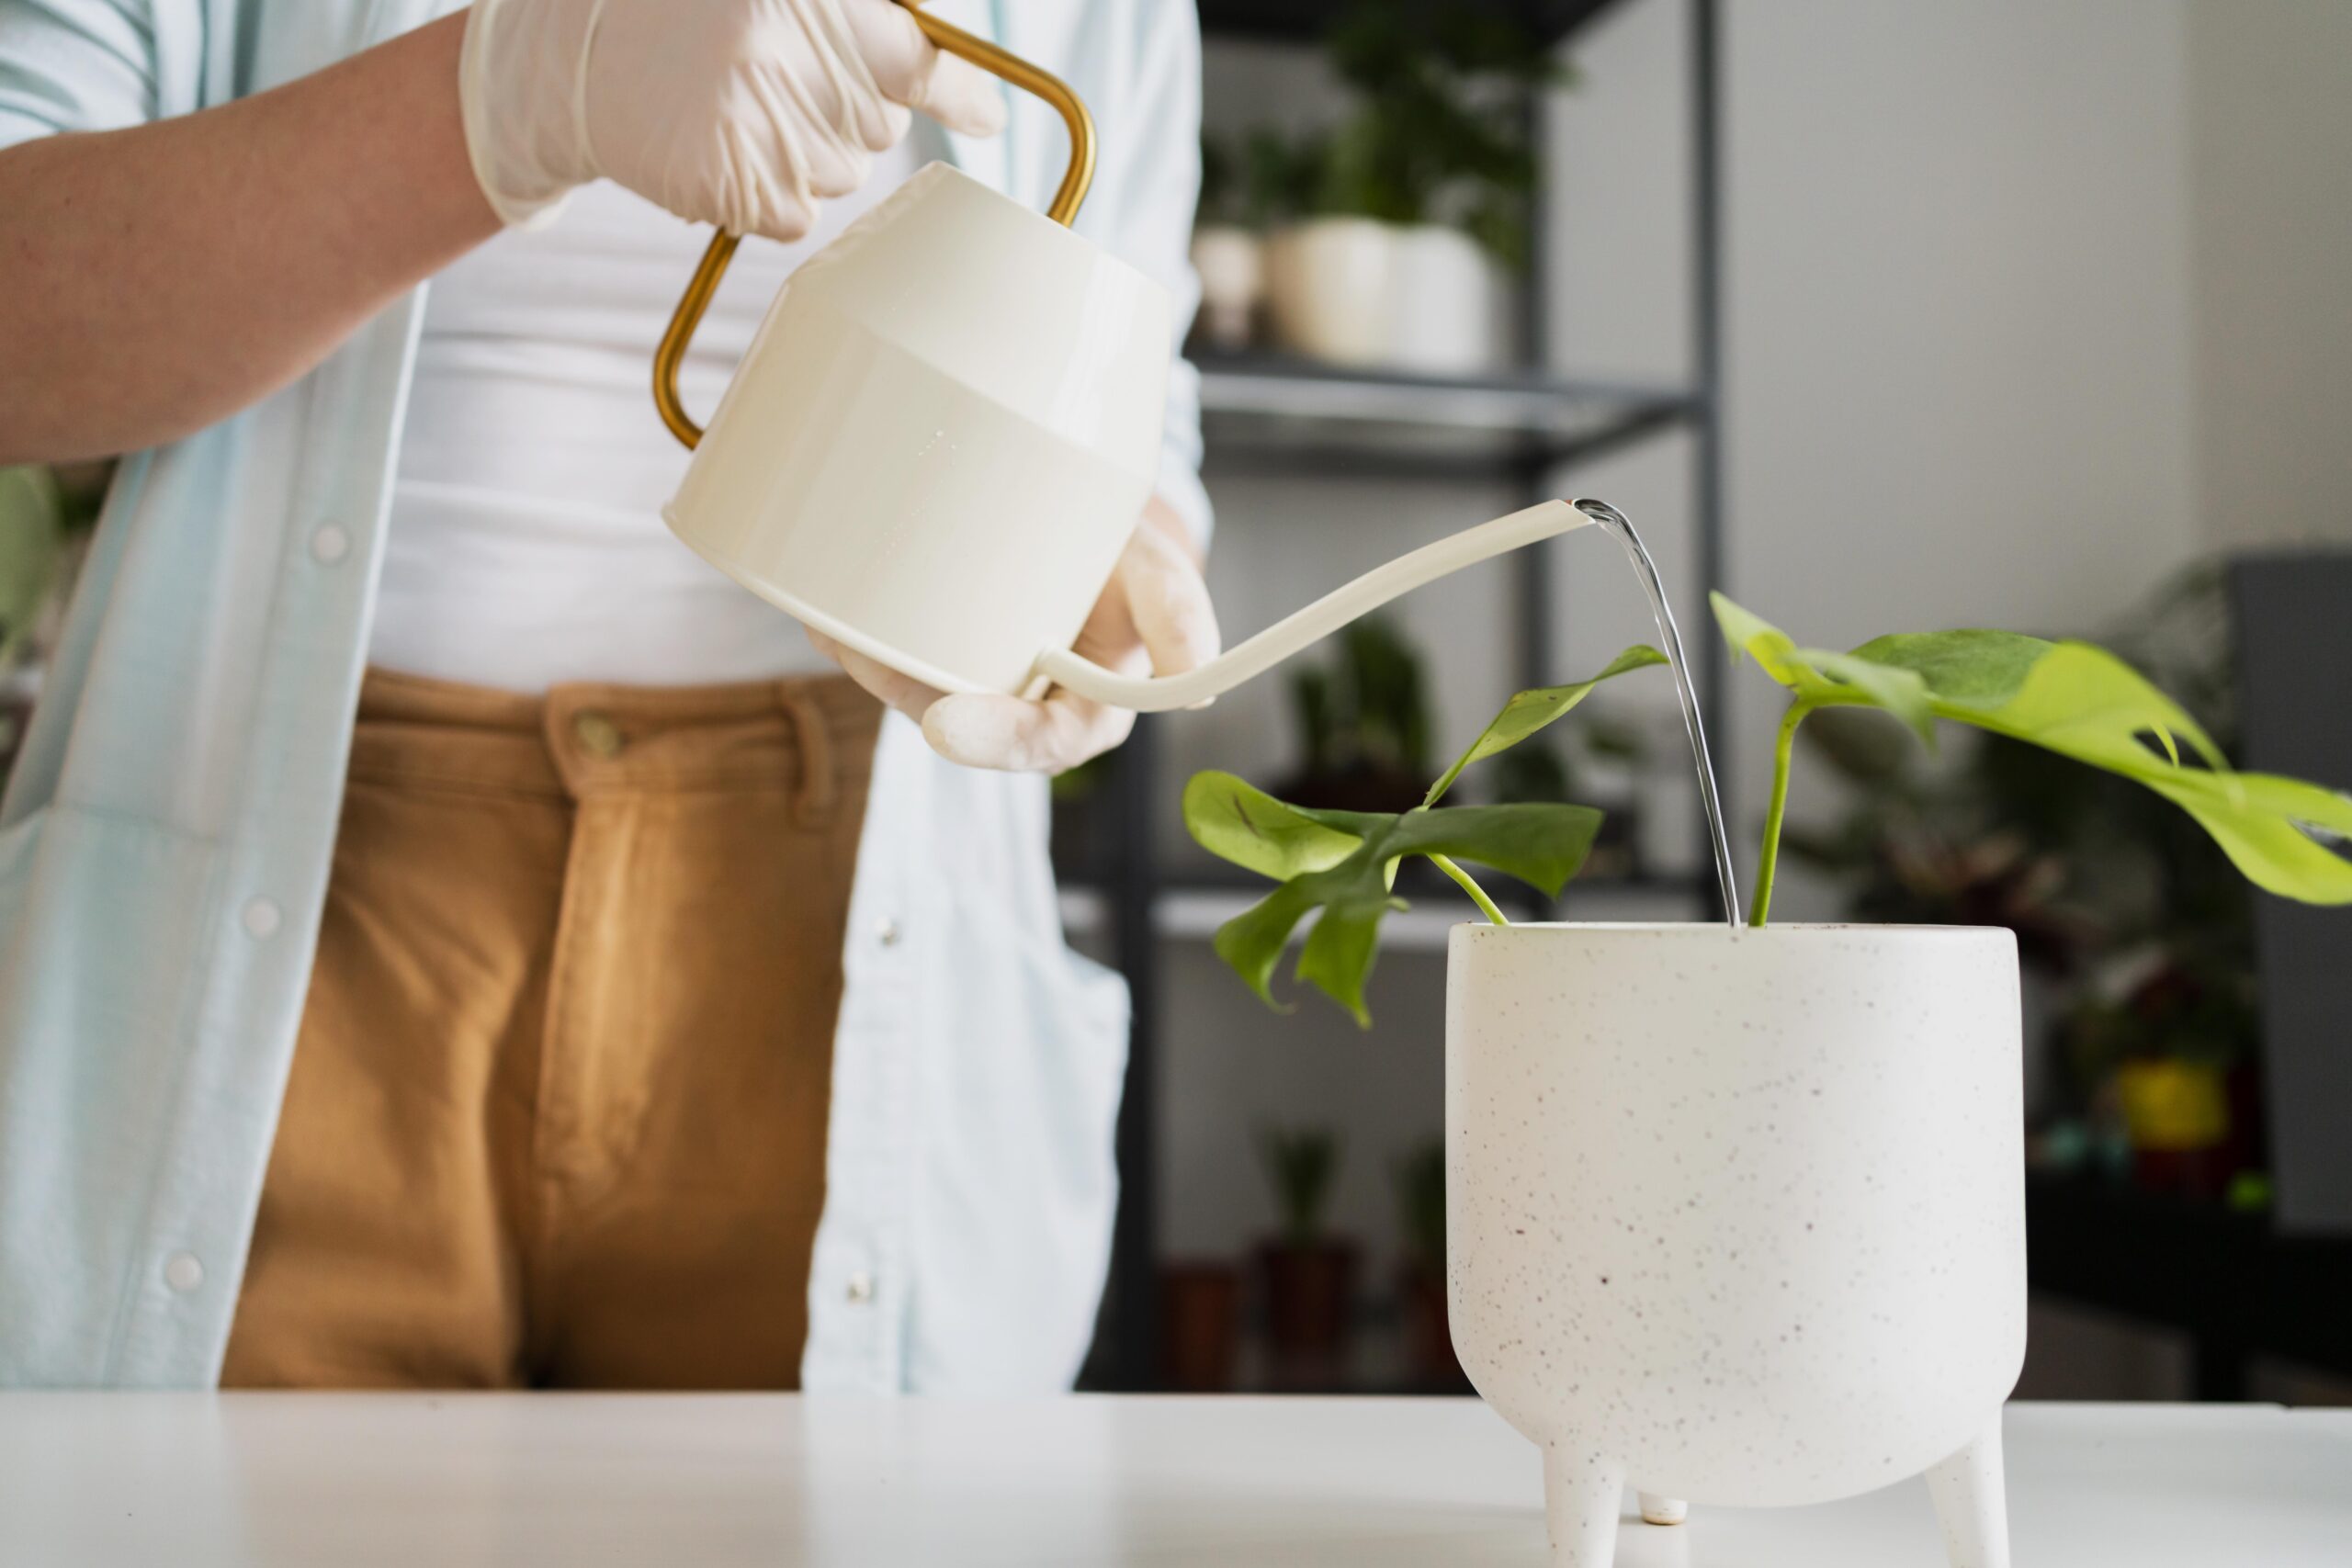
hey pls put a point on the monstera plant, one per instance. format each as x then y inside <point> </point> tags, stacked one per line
<point>2287,836</point>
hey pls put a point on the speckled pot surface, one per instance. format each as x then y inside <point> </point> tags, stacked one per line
<point>1738,1217</point>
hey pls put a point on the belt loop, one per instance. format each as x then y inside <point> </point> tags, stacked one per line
<point>814,801</point>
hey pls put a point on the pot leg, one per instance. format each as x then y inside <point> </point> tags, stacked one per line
<point>1581,1493</point>
<point>1657,1510</point>
<point>1972,1502</point>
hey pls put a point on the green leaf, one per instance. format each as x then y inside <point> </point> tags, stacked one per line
<point>1238,822</point>
<point>1819,677</point>
<point>1981,668</point>
<point>1902,692</point>
<point>2083,702</point>
<point>1531,711</point>
<point>1540,843</point>
<point>1756,638</point>
<point>1339,865</point>
<point>1338,956</point>
<point>1252,941</point>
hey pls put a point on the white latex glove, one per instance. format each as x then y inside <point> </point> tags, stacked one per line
<point>1154,618</point>
<point>742,113</point>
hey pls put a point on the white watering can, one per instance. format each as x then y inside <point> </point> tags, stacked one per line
<point>946,428</point>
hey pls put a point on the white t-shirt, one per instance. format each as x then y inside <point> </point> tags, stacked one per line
<point>526,546</point>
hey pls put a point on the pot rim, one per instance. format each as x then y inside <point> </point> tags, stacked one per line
<point>1486,932</point>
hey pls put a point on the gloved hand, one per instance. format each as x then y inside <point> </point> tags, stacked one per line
<point>1154,618</point>
<point>742,113</point>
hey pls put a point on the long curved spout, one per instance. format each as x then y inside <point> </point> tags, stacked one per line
<point>1158,693</point>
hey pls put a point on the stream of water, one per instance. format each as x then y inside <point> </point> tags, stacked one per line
<point>1614,523</point>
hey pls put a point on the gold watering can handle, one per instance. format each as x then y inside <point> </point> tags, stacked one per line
<point>1012,68</point>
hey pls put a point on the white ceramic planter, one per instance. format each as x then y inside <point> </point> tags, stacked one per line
<point>1329,284</point>
<point>1231,262</point>
<point>1353,291</point>
<point>1738,1217</point>
<point>1445,314</point>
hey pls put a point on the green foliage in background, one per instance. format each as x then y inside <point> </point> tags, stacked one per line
<point>1420,1205</point>
<point>1443,133</point>
<point>2069,698</point>
<point>32,533</point>
<point>1441,130</point>
<point>1302,1163</point>
<point>1264,180</point>
<point>1370,709</point>
<point>1343,863</point>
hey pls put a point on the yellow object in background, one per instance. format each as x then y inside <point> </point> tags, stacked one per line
<point>2171,1107</point>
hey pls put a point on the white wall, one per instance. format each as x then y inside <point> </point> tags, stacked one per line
<point>2270,184</point>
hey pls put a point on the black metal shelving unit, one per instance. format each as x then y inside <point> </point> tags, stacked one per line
<point>1268,413</point>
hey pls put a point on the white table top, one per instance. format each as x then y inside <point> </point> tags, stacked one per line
<point>582,1481</point>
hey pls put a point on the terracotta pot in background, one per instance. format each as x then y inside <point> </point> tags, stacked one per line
<point>1200,1325</point>
<point>1309,1295</point>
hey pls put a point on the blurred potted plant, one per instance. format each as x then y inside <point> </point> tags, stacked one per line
<point>1309,1275</point>
<point>45,519</point>
<point>1365,724</point>
<point>1244,191</point>
<point>2170,1063</point>
<point>1421,1210</point>
<point>1415,202</point>
<point>1200,1324</point>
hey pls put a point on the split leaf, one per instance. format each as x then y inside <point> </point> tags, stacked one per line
<point>1820,677</point>
<point>2080,702</point>
<point>1340,866</point>
<point>1540,844</point>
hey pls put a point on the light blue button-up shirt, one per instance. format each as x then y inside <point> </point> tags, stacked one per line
<point>165,839</point>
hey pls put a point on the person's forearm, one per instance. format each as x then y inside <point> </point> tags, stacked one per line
<point>162,277</point>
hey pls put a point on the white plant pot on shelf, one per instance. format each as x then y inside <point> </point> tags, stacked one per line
<point>1446,314</point>
<point>1330,282</point>
<point>1357,292</point>
<point>1231,262</point>
<point>1738,1216</point>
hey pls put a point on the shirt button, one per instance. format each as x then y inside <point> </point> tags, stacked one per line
<point>861,1288</point>
<point>261,918</point>
<point>330,545</point>
<point>183,1271</point>
<point>600,734</point>
<point>886,932</point>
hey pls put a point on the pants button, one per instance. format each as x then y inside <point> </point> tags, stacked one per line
<point>600,736</point>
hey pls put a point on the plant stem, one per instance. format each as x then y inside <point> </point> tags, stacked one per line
<point>1760,905</point>
<point>1477,894</point>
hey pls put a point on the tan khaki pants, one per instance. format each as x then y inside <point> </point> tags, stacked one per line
<point>557,1114</point>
